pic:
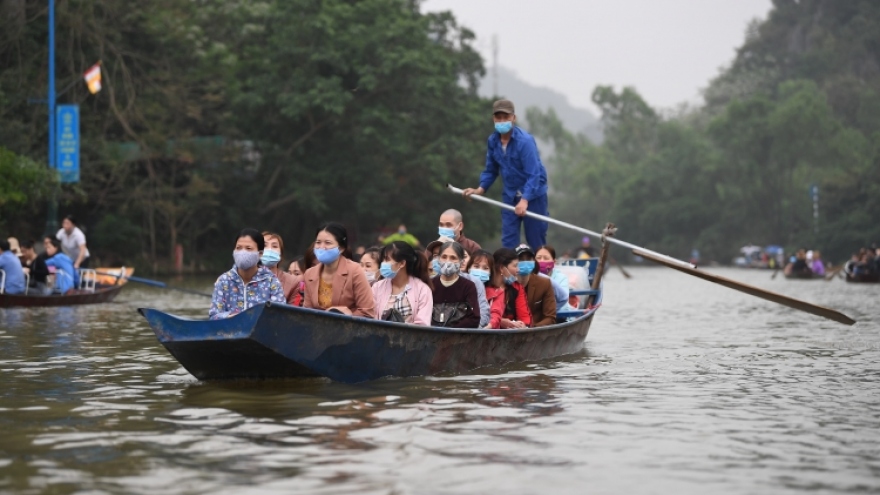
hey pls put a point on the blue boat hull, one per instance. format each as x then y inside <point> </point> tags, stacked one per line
<point>281,341</point>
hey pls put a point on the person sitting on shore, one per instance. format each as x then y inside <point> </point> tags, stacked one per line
<point>248,283</point>
<point>271,259</point>
<point>337,283</point>
<point>404,294</point>
<point>11,266</point>
<point>455,297</point>
<point>451,225</point>
<point>507,293</point>
<point>539,290</point>
<point>370,261</point>
<point>35,266</point>
<point>65,273</point>
<point>433,254</point>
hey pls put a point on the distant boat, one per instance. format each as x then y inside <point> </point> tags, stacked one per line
<point>93,289</point>
<point>859,278</point>
<point>804,276</point>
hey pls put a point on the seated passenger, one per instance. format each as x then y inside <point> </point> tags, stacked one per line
<point>455,297</point>
<point>433,254</point>
<point>370,263</point>
<point>337,283</point>
<point>271,258</point>
<point>799,265</point>
<point>539,290</point>
<point>297,267</point>
<point>11,266</point>
<point>451,225</point>
<point>404,293</point>
<point>506,293</point>
<point>65,279</point>
<point>247,283</point>
<point>546,258</point>
<point>35,266</point>
<point>818,266</point>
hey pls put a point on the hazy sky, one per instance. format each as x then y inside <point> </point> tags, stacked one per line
<point>667,49</point>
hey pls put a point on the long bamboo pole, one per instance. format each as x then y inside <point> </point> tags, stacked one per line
<point>688,268</point>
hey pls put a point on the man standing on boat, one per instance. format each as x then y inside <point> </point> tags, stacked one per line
<point>512,152</point>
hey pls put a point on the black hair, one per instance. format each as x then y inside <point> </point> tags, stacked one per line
<point>337,230</point>
<point>549,249</point>
<point>503,257</point>
<point>253,234</point>
<point>55,242</point>
<point>72,219</point>
<point>486,255</point>
<point>4,245</point>
<point>374,252</point>
<point>416,262</point>
<point>27,244</point>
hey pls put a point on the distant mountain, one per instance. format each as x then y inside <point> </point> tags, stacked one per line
<point>525,95</point>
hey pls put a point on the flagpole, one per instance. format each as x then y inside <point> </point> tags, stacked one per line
<point>52,214</point>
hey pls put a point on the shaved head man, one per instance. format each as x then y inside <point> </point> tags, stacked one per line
<point>451,225</point>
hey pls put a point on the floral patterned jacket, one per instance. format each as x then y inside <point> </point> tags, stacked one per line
<point>232,297</point>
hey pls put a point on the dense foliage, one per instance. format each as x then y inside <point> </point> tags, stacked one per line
<point>220,114</point>
<point>278,114</point>
<point>800,105</point>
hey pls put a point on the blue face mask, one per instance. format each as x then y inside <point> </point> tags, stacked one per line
<point>386,271</point>
<point>525,267</point>
<point>509,280</point>
<point>503,127</point>
<point>270,257</point>
<point>483,275</point>
<point>327,256</point>
<point>435,265</point>
<point>446,232</point>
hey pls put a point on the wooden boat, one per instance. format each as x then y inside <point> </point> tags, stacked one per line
<point>104,289</point>
<point>804,276</point>
<point>280,341</point>
<point>859,278</point>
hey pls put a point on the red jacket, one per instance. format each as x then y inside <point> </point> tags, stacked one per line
<point>498,306</point>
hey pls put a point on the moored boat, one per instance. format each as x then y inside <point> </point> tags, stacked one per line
<point>281,341</point>
<point>93,289</point>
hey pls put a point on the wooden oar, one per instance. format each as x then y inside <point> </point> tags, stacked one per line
<point>754,291</point>
<point>687,267</point>
<point>832,272</point>
<point>156,283</point>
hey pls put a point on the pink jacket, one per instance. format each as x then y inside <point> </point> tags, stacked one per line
<point>419,295</point>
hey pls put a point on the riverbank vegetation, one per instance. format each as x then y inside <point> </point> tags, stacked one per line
<point>277,114</point>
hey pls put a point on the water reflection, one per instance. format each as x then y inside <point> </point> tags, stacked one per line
<point>730,395</point>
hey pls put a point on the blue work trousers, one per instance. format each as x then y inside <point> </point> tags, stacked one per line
<point>536,230</point>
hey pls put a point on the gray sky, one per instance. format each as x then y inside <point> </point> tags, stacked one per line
<point>667,49</point>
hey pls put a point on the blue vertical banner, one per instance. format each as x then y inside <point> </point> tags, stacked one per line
<point>67,148</point>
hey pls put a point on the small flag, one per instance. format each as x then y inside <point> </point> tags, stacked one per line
<point>93,78</point>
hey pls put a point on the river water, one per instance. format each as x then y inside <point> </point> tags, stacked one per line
<point>682,386</point>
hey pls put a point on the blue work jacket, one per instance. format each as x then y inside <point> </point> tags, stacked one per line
<point>522,172</point>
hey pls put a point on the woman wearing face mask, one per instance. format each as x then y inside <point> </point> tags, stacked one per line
<point>480,268</point>
<point>337,283</point>
<point>248,283</point>
<point>455,297</point>
<point>65,272</point>
<point>404,293</point>
<point>433,254</point>
<point>271,259</point>
<point>539,290</point>
<point>506,295</point>
<point>370,263</point>
<point>546,259</point>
